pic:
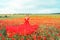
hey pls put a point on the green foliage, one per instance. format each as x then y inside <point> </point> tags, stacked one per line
<point>3,32</point>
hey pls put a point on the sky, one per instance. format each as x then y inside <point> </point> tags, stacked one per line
<point>29,6</point>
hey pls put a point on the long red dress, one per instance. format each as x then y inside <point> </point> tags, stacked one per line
<point>26,28</point>
<point>22,29</point>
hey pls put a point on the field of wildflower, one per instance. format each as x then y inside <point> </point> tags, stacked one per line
<point>30,27</point>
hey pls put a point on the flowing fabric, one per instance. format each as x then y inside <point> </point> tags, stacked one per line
<point>22,29</point>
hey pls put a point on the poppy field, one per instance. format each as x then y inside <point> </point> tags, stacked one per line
<point>32,27</point>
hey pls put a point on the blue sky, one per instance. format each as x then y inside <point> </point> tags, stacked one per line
<point>29,6</point>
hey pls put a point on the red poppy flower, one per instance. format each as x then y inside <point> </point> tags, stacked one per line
<point>0,34</point>
<point>3,38</point>
<point>13,39</point>
<point>44,38</point>
<point>39,37</point>
<point>28,39</point>
<point>34,37</point>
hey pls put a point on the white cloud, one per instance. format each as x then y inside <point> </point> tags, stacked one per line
<point>6,11</point>
<point>50,10</point>
<point>27,6</point>
<point>14,5</point>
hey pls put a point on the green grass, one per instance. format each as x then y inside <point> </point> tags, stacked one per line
<point>10,16</point>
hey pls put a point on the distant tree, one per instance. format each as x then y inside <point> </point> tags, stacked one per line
<point>6,16</point>
<point>0,16</point>
<point>55,13</point>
